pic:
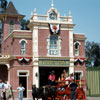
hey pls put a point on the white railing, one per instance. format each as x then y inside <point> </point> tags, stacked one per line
<point>66,19</point>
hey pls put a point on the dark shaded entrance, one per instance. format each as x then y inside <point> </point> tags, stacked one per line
<point>23,81</point>
<point>3,72</point>
<point>45,71</point>
<point>77,75</point>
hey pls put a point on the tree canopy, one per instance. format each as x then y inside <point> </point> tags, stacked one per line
<point>23,24</point>
<point>93,54</point>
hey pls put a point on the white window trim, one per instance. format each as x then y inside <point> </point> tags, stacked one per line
<point>23,40</point>
<point>77,42</point>
<point>79,71</point>
<point>27,74</point>
<point>78,47</point>
<point>23,71</point>
<point>25,44</point>
<point>59,46</point>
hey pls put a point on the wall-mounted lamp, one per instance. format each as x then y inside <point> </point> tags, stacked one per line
<point>36,74</point>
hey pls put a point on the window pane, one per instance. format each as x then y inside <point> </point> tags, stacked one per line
<point>23,44</point>
<point>11,26</point>
<point>23,47</point>
<point>76,52</point>
<point>53,47</point>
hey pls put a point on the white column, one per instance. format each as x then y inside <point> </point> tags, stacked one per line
<point>71,67</point>
<point>36,76</point>
<point>35,57</point>
<point>8,67</point>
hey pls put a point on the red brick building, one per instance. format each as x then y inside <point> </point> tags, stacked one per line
<point>28,56</point>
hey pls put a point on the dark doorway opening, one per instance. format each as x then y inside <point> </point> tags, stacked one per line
<point>3,72</point>
<point>45,71</point>
<point>23,81</point>
<point>77,76</point>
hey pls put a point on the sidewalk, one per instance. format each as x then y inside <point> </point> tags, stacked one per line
<point>93,98</point>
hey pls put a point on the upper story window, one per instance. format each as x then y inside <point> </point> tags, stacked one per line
<point>54,45</point>
<point>77,44</point>
<point>11,26</point>
<point>23,46</point>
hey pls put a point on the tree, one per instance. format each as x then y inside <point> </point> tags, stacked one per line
<point>3,6</point>
<point>93,54</point>
<point>23,24</point>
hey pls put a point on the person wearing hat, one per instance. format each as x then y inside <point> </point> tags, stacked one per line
<point>51,78</point>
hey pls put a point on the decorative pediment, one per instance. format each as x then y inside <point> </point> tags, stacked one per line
<point>53,14</point>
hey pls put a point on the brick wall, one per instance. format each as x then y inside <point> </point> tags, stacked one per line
<point>6,26</point>
<point>14,79</point>
<point>43,35</point>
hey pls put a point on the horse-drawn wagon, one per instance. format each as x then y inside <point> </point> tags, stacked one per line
<point>59,92</point>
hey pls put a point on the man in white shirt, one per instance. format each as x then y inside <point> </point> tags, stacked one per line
<point>1,89</point>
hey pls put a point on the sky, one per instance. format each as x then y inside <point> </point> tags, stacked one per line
<point>85,13</point>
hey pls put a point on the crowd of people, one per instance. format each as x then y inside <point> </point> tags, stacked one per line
<point>62,79</point>
<point>6,91</point>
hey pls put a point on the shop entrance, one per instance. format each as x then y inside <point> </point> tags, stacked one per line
<point>45,71</point>
<point>23,81</point>
<point>3,72</point>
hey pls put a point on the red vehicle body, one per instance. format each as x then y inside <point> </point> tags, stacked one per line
<point>63,91</point>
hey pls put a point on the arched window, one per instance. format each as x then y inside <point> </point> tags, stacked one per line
<point>11,26</point>
<point>77,44</point>
<point>54,45</point>
<point>23,46</point>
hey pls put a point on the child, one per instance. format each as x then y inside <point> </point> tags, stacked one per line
<point>20,89</point>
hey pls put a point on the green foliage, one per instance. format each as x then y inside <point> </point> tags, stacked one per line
<point>23,24</point>
<point>92,54</point>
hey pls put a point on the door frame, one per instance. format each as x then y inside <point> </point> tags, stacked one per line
<point>26,75</point>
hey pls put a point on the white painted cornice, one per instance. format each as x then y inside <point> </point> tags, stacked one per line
<point>45,24</point>
<point>21,31</point>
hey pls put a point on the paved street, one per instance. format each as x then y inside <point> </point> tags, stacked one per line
<point>88,98</point>
<point>93,98</point>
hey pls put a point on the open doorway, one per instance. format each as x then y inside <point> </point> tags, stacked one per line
<point>77,75</point>
<point>45,71</point>
<point>23,81</point>
<point>3,72</point>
